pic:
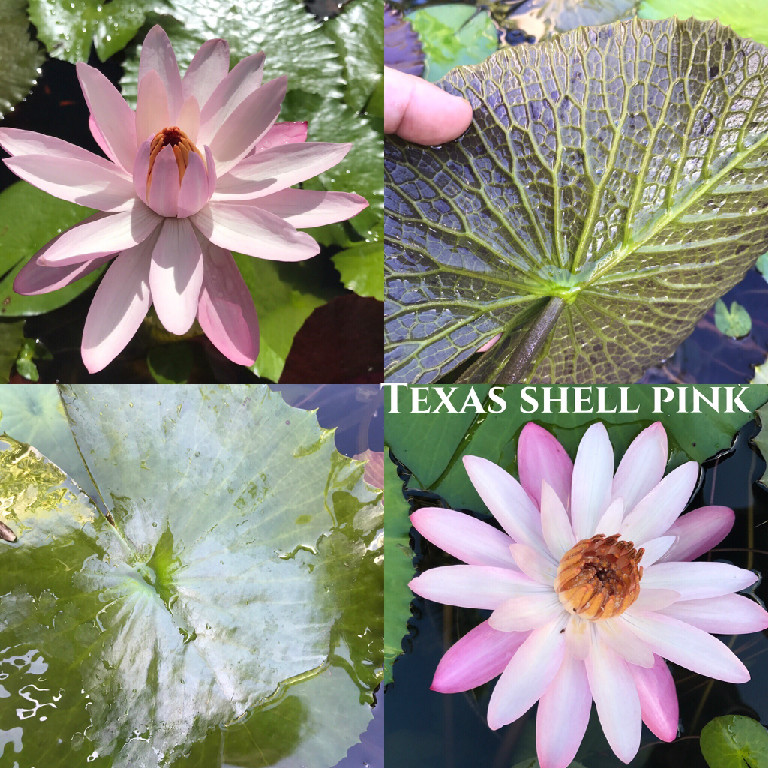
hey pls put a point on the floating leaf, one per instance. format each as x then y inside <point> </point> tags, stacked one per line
<point>69,29</point>
<point>542,18</point>
<point>762,265</point>
<point>29,218</point>
<point>761,374</point>
<point>20,57</point>
<point>11,339</point>
<point>431,444</point>
<point>734,742</point>
<point>452,35</point>
<point>746,17</point>
<point>761,440</point>
<point>360,267</point>
<point>221,584</point>
<point>591,218</point>
<point>734,322</point>
<point>402,47</point>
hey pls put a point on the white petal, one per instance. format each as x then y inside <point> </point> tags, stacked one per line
<point>687,646</point>
<point>642,466</point>
<point>610,522</point>
<point>472,586</point>
<point>655,549</point>
<point>207,69</point>
<point>724,615</point>
<point>535,563</point>
<point>157,56</point>
<point>655,512</point>
<point>655,599</point>
<point>506,500</point>
<point>620,638</point>
<point>698,580</point>
<point>528,675</point>
<point>579,636</point>
<point>555,523</point>
<point>616,699</point>
<point>592,479</point>
<point>308,208</point>
<point>152,111</point>
<point>526,612</point>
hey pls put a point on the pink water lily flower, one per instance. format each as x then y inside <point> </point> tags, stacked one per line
<point>200,169</point>
<point>591,587</point>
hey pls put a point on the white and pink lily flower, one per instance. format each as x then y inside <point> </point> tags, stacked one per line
<point>591,586</point>
<point>200,169</point>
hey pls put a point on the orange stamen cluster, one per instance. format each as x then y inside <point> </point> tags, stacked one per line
<point>181,145</point>
<point>599,577</point>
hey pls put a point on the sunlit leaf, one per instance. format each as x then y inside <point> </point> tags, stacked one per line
<point>734,321</point>
<point>69,29</point>
<point>20,57</point>
<point>610,188</point>
<point>761,440</point>
<point>221,585</point>
<point>734,742</point>
<point>542,18</point>
<point>361,268</point>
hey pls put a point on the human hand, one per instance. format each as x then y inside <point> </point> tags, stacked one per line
<point>419,111</point>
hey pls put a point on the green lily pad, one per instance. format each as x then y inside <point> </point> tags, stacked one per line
<point>69,29</point>
<point>218,582</point>
<point>543,18</point>
<point>761,374</point>
<point>762,265</point>
<point>398,567</point>
<point>11,341</point>
<point>20,57</point>
<point>734,742</point>
<point>745,17</point>
<point>590,219</point>
<point>453,35</point>
<point>284,300</point>
<point>431,444</point>
<point>30,218</point>
<point>734,322</point>
<point>360,267</point>
<point>761,440</point>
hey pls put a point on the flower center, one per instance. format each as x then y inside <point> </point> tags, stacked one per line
<point>599,577</point>
<point>178,141</point>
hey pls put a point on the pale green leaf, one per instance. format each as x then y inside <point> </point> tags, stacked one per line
<point>361,268</point>
<point>734,322</point>
<point>762,265</point>
<point>609,190</point>
<point>761,374</point>
<point>761,440</point>
<point>734,742</point>
<point>20,57</point>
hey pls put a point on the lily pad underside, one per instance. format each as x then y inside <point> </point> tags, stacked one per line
<point>610,188</point>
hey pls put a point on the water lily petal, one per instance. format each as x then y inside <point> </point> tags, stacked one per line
<point>579,636</point>
<point>280,134</point>
<point>163,196</point>
<point>610,521</point>
<point>308,208</point>
<point>658,509</point>
<point>537,564</point>
<point>101,236</point>
<point>555,524</point>
<point>35,278</point>
<point>226,312</point>
<point>476,658</point>
<point>592,480</point>
<point>698,531</point>
<point>194,192</point>
<point>120,304</point>
<point>140,171</point>
<point>526,612</point>
<point>152,110</point>
<point>99,186</point>
<point>506,500</point>
<point>724,615</point>
<point>655,549</point>
<point>246,229</point>
<point>687,646</point>
<point>113,117</point>
<point>464,537</point>
<point>189,118</point>
<point>658,698</point>
<point>655,599</point>
<point>99,138</point>
<point>619,637</point>
<point>157,56</point>
<point>563,715</point>
<point>176,275</point>
<point>247,124</point>
<point>527,675</point>
<point>696,581</point>
<point>540,457</point>
<point>472,586</point>
<point>208,68</point>
<point>244,80</point>
<point>278,168</point>
<point>642,466</point>
<point>616,699</point>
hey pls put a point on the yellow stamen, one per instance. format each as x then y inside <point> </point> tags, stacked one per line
<point>599,577</point>
<point>179,143</point>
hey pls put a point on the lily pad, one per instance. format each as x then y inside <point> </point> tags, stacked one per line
<point>402,47</point>
<point>218,581</point>
<point>734,742</point>
<point>543,18</point>
<point>11,341</point>
<point>761,440</point>
<point>734,321</point>
<point>590,219</point>
<point>20,57</point>
<point>452,35</point>
<point>69,29</point>
<point>746,17</point>
<point>360,267</point>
